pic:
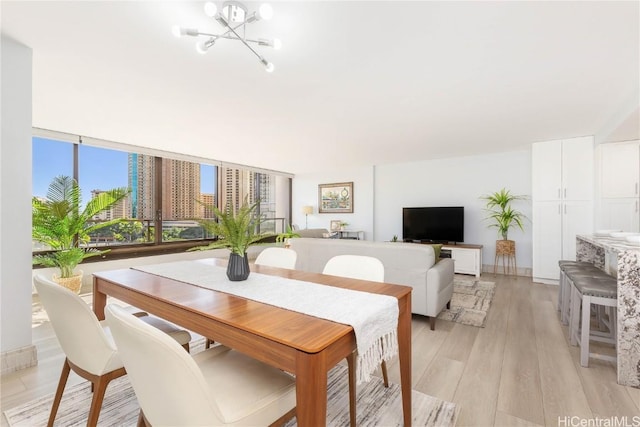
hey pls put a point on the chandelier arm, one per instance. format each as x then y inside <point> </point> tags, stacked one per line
<point>222,36</point>
<point>260,57</point>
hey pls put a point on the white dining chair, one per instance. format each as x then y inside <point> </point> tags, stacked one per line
<point>277,257</point>
<point>217,386</point>
<point>87,343</point>
<point>363,268</point>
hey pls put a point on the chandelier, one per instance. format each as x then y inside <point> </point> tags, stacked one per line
<point>234,18</point>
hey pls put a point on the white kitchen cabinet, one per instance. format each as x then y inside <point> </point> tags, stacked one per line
<point>562,196</point>
<point>563,169</point>
<point>620,214</point>
<point>547,238</point>
<point>619,186</point>
<point>620,169</point>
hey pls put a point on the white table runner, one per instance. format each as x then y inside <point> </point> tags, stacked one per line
<point>373,317</point>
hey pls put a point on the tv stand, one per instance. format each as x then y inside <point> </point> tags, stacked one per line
<point>467,259</point>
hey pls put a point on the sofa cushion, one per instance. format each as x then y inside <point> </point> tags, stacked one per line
<point>313,232</point>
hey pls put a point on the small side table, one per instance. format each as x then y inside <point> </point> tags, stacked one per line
<point>506,251</point>
<point>348,234</point>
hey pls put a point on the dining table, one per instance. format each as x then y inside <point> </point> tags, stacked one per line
<point>306,346</point>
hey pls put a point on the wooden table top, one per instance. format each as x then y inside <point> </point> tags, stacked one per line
<point>303,332</point>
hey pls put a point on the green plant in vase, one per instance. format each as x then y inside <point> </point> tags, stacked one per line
<point>236,231</point>
<point>285,236</point>
<point>504,217</point>
<point>60,222</point>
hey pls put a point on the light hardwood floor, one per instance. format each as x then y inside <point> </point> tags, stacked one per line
<point>518,370</point>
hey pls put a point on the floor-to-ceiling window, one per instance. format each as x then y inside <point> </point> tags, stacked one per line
<point>167,196</point>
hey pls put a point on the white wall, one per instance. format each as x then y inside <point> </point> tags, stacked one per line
<point>305,193</point>
<point>456,181</point>
<point>381,192</point>
<point>15,197</point>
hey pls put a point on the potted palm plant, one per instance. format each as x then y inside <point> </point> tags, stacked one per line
<point>504,217</point>
<point>236,231</point>
<point>60,223</point>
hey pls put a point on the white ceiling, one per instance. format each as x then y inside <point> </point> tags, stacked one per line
<point>356,83</point>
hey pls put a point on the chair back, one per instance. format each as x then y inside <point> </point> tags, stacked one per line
<point>79,332</point>
<point>277,257</point>
<point>355,267</point>
<point>169,385</point>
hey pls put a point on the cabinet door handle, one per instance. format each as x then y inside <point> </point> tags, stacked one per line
<point>559,211</point>
<point>637,205</point>
<point>565,209</point>
<point>558,193</point>
<point>565,193</point>
<point>636,188</point>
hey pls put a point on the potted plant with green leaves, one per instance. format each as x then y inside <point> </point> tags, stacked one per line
<point>286,236</point>
<point>236,231</point>
<point>60,222</point>
<point>504,217</point>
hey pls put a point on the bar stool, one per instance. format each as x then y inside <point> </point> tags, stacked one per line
<point>573,268</point>
<point>588,292</point>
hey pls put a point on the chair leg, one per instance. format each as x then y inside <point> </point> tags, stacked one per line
<point>96,401</point>
<point>64,375</point>
<point>385,376</point>
<point>351,362</point>
<point>432,323</point>
<point>141,422</point>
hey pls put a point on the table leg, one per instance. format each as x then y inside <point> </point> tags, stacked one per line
<point>311,389</point>
<point>99,301</point>
<point>404,355</point>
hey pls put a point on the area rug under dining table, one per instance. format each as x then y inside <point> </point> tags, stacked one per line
<point>376,405</point>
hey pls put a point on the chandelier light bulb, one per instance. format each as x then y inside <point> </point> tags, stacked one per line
<point>277,44</point>
<point>210,9</point>
<point>204,46</point>
<point>265,11</point>
<point>269,67</point>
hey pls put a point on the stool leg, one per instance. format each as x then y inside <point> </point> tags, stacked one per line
<point>574,315</point>
<point>584,340</point>
<point>566,301</point>
<point>559,305</point>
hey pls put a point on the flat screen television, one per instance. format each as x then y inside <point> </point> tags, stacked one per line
<point>441,224</point>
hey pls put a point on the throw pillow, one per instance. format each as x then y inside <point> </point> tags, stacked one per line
<point>436,249</point>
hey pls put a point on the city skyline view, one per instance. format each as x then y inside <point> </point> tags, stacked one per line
<point>98,168</point>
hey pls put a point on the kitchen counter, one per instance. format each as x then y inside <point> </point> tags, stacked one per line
<point>622,260</point>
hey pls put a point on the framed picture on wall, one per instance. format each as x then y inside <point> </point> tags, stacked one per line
<point>335,198</point>
<point>335,225</point>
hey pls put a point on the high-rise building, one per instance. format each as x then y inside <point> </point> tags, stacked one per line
<point>235,186</point>
<point>141,173</point>
<point>180,189</point>
<point>208,199</point>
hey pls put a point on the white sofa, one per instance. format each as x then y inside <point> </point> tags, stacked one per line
<point>408,264</point>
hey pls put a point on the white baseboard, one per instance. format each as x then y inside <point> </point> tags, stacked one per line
<point>21,358</point>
